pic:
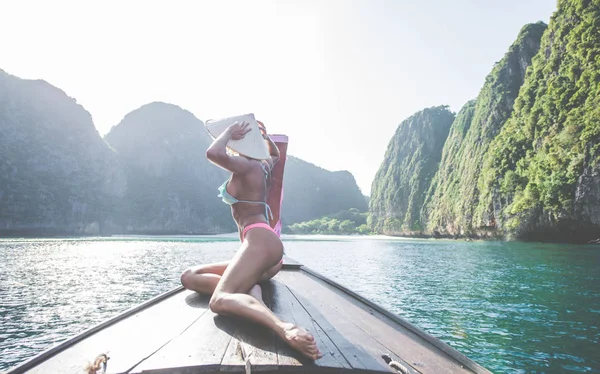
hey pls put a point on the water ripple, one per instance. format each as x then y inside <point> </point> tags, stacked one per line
<point>513,307</point>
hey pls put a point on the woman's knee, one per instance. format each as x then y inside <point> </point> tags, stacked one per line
<point>185,277</point>
<point>219,303</point>
<point>189,273</point>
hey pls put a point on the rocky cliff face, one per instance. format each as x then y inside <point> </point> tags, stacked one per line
<point>454,193</point>
<point>410,162</point>
<point>522,160</point>
<point>57,176</point>
<point>171,186</point>
<point>539,178</point>
<point>587,195</point>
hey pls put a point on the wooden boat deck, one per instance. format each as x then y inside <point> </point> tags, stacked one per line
<point>177,333</point>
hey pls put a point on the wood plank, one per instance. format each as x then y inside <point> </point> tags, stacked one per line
<point>200,348</point>
<point>133,339</point>
<point>286,357</point>
<point>347,331</point>
<point>452,353</point>
<point>289,263</point>
<point>360,348</point>
<point>339,309</point>
<point>253,344</point>
<point>287,307</point>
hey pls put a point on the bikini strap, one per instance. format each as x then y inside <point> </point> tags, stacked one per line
<point>268,210</point>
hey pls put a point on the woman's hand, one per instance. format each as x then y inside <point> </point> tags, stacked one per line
<point>273,150</point>
<point>263,129</point>
<point>237,130</point>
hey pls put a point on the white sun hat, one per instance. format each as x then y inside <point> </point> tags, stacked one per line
<point>252,145</point>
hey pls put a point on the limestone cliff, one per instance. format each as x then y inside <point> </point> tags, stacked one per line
<point>454,195</point>
<point>540,177</point>
<point>57,175</point>
<point>522,160</point>
<point>410,162</point>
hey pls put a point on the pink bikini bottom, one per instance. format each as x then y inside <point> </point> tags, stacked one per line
<point>259,224</point>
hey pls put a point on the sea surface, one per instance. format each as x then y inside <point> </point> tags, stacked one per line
<point>512,307</point>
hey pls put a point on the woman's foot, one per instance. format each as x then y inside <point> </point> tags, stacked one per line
<point>302,341</point>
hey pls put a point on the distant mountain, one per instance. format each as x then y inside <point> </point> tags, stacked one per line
<point>312,192</point>
<point>171,186</point>
<point>57,175</point>
<point>149,175</point>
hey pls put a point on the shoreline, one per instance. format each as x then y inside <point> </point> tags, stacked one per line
<point>233,236</point>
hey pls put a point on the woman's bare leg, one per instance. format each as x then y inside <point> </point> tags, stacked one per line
<point>231,297</point>
<point>204,278</point>
<point>256,292</point>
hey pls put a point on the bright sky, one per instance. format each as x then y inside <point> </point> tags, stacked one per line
<point>336,76</point>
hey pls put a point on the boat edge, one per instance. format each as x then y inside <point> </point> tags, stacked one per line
<point>50,352</point>
<point>436,342</point>
<point>292,265</point>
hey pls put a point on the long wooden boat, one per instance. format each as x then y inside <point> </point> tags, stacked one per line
<point>176,332</point>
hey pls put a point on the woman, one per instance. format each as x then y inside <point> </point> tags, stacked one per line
<point>234,284</point>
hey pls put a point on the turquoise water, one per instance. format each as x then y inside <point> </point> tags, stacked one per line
<point>512,307</point>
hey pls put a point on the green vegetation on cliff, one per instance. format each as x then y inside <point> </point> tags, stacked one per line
<point>453,193</point>
<point>410,162</point>
<point>522,159</point>
<point>532,180</point>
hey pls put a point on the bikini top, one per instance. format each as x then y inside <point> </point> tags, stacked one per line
<point>230,200</point>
